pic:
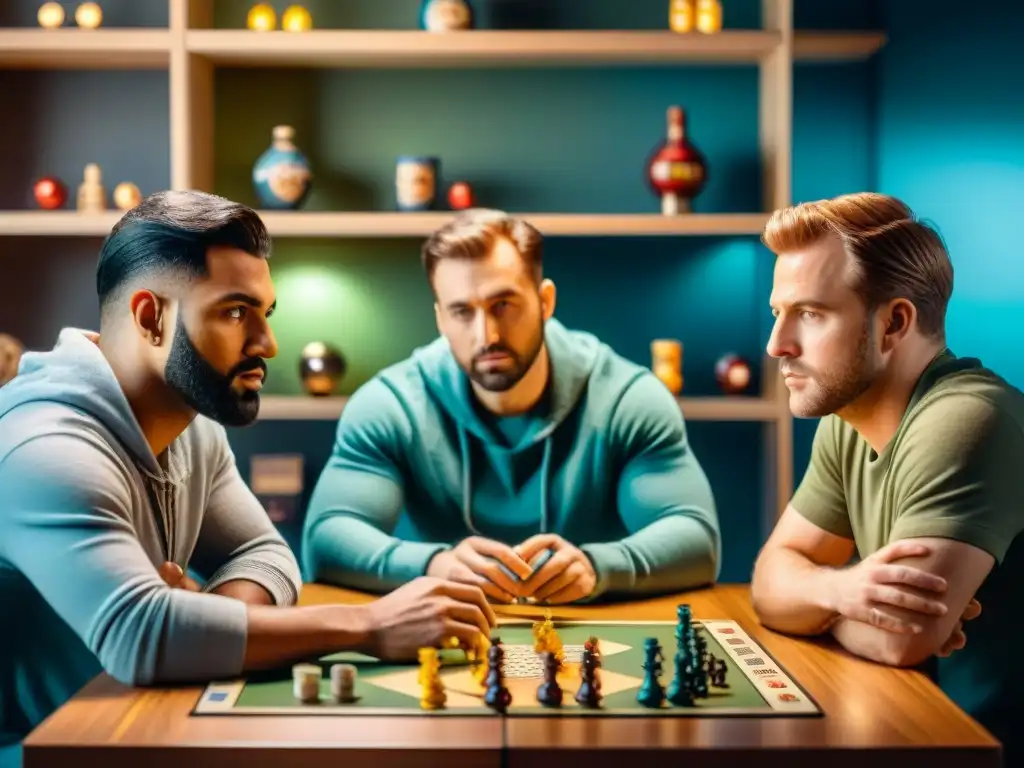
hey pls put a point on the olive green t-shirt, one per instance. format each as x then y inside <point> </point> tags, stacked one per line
<point>954,469</point>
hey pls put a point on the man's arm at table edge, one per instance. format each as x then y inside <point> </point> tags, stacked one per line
<point>791,588</point>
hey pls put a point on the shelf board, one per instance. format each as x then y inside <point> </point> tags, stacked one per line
<point>820,47</point>
<point>412,224</point>
<point>59,223</point>
<point>403,48</point>
<point>738,408</point>
<point>149,48</point>
<point>32,48</point>
<point>65,223</point>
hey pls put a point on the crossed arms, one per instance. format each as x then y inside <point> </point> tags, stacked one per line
<point>956,497</point>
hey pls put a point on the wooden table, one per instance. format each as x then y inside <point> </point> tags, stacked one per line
<point>872,714</point>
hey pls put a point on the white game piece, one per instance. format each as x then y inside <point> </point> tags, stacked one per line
<point>343,682</point>
<point>306,682</point>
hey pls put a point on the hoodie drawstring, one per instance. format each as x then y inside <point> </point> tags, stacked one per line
<point>467,492</point>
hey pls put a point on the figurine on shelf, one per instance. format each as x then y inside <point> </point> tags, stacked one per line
<point>460,196</point>
<point>667,363</point>
<point>261,18</point>
<point>681,15</point>
<point>733,374</point>
<point>126,196</point>
<point>50,15</point>
<point>50,193</point>
<point>709,16</point>
<point>281,175</point>
<point>446,15</point>
<point>676,171</point>
<point>92,198</point>
<point>416,182</point>
<point>296,19</point>
<point>89,15</point>
<point>321,368</point>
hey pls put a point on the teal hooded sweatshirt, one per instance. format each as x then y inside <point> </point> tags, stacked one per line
<point>603,461</point>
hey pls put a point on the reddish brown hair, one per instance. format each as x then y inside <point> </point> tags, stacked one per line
<point>895,254</point>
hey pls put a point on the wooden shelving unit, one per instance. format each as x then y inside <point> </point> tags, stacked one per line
<point>190,50</point>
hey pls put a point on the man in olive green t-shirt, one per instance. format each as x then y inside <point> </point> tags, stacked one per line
<point>906,524</point>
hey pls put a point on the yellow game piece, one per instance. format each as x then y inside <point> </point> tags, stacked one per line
<point>433,695</point>
<point>50,15</point>
<point>478,657</point>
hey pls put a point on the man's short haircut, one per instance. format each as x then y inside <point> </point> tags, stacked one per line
<point>473,234</point>
<point>895,255</point>
<point>169,233</point>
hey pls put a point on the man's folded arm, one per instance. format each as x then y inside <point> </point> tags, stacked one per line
<point>357,501</point>
<point>664,499</point>
<point>68,530</point>
<point>239,552</point>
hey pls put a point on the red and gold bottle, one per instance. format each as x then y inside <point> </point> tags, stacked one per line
<point>676,171</point>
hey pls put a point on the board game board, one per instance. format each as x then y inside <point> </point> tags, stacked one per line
<point>756,684</point>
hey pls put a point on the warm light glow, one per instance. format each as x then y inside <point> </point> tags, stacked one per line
<point>296,19</point>
<point>51,15</point>
<point>262,18</point>
<point>88,15</point>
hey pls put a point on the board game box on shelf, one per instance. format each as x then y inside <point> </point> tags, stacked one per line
<point>686,667</point>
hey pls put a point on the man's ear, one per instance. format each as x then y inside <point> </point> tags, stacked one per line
<point>150,313</point>
<point>900,316</point>
<point>548,294</point>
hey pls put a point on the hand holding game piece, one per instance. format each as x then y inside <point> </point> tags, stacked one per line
<point>866,591</point>
<point>567,576</point>
<point>478,561</point>
<point>425,612</point>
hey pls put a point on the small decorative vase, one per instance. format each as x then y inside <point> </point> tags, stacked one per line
<point>667,363</point>
<point>446,15</point>
<point>321,368</point>
<point>281,175</point>
<point>676,171</point>
<point>416,182</point>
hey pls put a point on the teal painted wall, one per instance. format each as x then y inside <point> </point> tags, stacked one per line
<point>951,142</point>
<point>542,140</point>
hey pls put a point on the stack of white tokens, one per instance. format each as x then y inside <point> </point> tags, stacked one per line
<point>306,682</point>
<point>343,682</point>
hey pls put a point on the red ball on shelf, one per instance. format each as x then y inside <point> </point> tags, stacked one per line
<point>733,374</point>
<point>460,196</point>
<point>50,192</point>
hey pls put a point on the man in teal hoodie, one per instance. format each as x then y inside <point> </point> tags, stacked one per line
<point>116,480</point>
<point>511,453</point>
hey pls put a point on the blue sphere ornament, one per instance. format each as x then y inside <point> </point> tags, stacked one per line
<point>446,15</point>
<point>281,176</point>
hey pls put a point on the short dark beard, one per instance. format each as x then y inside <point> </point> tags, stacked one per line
<point>205,389</point>
<point>502,381</point>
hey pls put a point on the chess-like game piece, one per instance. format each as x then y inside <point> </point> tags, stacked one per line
<point>50,15</point>
<point>91,195</point>
<point>306,682</point>
<point>126,196</point>
<point>680,690</point>
<point>651,693</point>
<point>433,695</point>
<point>717,670</point>
<point>497,697</point>
<point>589,693</point>
<point>700,666</point>
<point>343,682</point>
<point>549,693</point>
